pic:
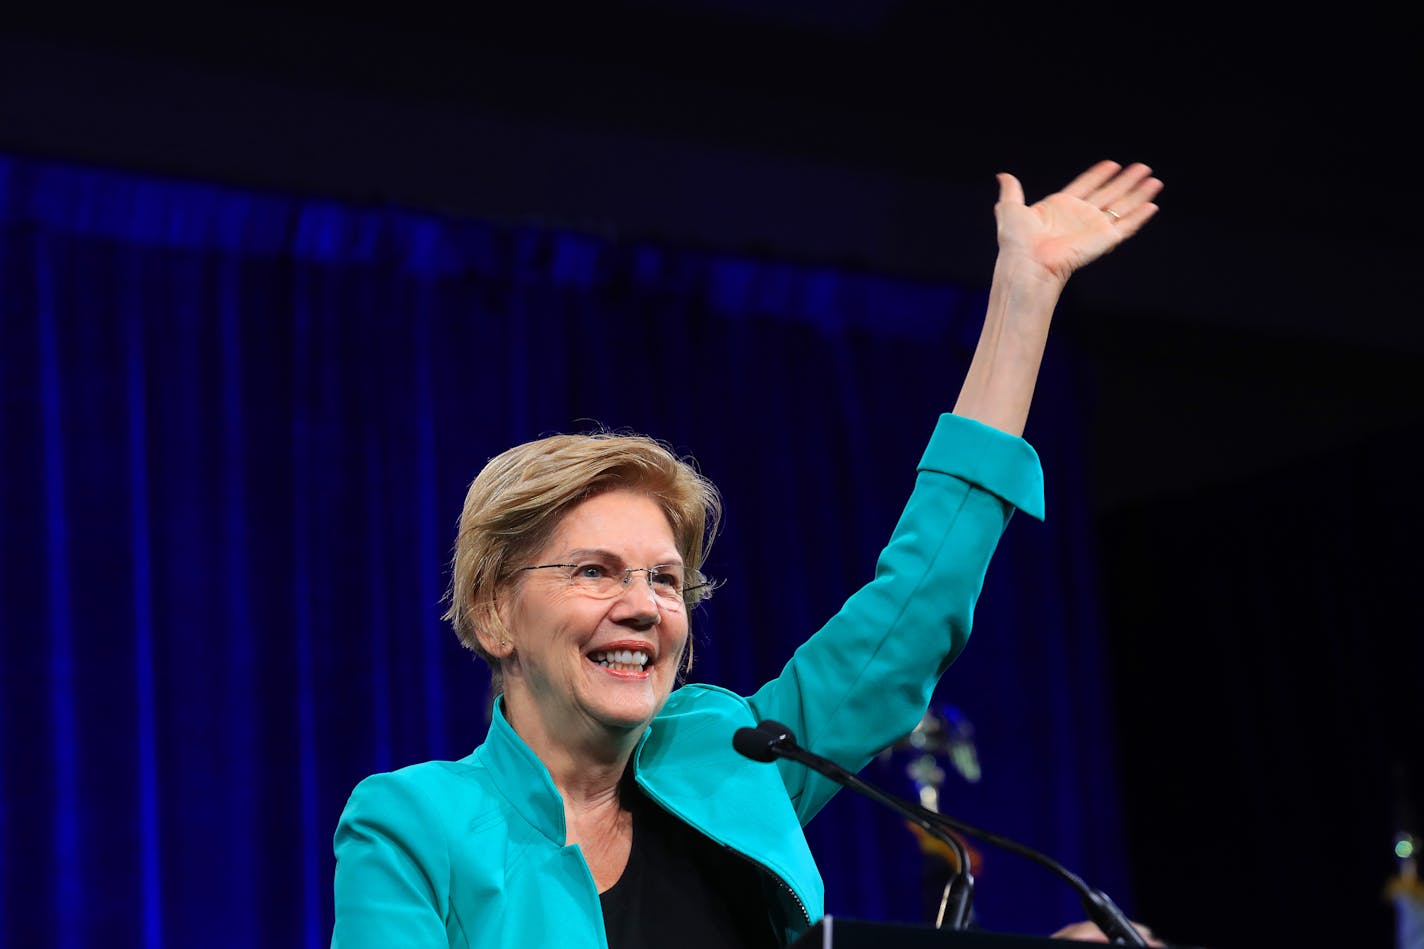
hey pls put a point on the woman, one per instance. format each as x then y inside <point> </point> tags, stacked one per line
<point>606,807</point>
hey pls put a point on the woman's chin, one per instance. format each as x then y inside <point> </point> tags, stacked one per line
<point>627,703</point>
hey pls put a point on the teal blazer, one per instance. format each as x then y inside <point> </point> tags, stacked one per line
<point>472,853</point>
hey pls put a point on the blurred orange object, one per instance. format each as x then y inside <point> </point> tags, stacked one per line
<point>938,848</point>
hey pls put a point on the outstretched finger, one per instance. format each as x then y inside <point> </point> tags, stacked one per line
<point>1124,208</point>
<point>1092,179</point>
<point>1125,190</point>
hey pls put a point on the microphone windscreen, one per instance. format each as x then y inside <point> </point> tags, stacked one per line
<point>753,743</point>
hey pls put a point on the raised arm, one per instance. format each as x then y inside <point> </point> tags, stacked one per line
<point>1040,246</point>
<point>865,678</point>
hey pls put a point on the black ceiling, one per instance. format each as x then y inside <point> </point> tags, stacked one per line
<point>1300,116</point>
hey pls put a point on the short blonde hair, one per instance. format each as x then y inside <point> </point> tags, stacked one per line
<point>518,499</point>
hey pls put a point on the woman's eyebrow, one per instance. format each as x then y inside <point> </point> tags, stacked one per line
<point>597,553</point>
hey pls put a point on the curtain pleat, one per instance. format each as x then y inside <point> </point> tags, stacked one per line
<point>149,826</point>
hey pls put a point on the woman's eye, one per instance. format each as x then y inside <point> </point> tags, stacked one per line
<point>590,571</point>
<point>667,579</point>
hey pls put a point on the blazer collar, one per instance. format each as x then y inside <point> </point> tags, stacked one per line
<point>522,779</point>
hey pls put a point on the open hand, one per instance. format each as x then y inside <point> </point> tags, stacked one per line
<point>1098,210</point>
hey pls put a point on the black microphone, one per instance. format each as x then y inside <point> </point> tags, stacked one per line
<point>771,740</point>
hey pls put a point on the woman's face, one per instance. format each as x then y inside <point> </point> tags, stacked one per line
<point>561,678</point>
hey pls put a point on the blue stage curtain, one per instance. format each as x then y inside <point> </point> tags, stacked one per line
<point>237,428</point>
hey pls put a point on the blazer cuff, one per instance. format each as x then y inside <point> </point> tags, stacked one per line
<point>1002,464</point>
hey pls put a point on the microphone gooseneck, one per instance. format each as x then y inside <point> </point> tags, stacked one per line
<point>1098,905</point>
<point>770,740</point>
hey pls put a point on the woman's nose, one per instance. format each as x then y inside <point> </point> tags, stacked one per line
<point>639,600</point>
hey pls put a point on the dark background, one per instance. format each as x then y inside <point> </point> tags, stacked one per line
<point>1251,387</point>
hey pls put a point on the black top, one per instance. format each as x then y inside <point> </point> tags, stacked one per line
<point>680,888</point>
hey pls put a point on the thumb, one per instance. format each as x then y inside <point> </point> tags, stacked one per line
<point>1010,191</point>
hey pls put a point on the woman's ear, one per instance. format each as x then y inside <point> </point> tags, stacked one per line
<point>492,629</point>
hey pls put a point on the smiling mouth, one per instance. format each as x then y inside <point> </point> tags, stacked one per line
<point>620,660</point>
